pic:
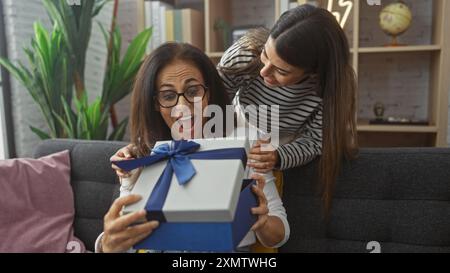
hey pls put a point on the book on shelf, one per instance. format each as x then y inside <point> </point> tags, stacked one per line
<point>155,13</point>
<point>140,7</point>
<point>177,25</point>
<point>193,23</point>
<point>182,25</point>
<point>163,7</point>
<point>169,29</point>
<point>148,22</point>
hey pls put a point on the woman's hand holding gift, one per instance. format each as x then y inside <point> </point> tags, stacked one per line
<point>121,231</point>
<point>262,210</point>
<point>126,153</point>
<point>269,229</point>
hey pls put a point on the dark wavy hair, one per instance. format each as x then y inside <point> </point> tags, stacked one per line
<point>147,124</point>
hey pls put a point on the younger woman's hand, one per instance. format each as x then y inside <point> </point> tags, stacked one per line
<point>262,210</point>
<point>126,153</point>
<point>264,157</point>
<point>119,233</point>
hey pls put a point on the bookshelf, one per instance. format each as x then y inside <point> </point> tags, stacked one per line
<point>411,80</point>
<point>427,44</point>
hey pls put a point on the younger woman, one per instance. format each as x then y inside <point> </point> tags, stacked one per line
<point>303,66</point>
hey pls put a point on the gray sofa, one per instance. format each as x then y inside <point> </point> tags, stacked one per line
<point>399,198</point>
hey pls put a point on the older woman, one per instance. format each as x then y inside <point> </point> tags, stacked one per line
<point>168,83</point>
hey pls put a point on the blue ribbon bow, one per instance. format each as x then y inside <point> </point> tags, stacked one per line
<point>179,155</point>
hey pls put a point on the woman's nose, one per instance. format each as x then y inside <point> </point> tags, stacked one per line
<point>182,101</point>
<point>183,106</point>
<point>265,71</point>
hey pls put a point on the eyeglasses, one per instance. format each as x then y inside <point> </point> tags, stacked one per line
<point>169,98</point>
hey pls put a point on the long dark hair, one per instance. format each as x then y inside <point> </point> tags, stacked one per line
<point>147,124</point>
<point>310,38</point>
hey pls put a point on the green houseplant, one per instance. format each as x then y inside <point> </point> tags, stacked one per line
<point>56,71</point>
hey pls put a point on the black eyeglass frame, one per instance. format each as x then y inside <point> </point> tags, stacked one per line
<point>205,89</point>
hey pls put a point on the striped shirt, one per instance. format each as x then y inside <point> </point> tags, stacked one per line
<point>300,107</point>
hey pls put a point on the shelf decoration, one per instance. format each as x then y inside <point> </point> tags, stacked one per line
<point>223,29</point>
<point>341,18</point>
<point>395,19</point>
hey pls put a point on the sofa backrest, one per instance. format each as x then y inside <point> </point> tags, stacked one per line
<point>95,185</point>
<point>399,198</point>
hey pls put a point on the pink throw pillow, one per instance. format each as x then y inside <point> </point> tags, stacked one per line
<point>37,205</point>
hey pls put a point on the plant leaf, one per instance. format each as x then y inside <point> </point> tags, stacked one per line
<point>70,133</point>
<point>135,52</point>
<point>70,116</point>
<point>41,134</point>
<point>119,132</point>
<point>99,4</point>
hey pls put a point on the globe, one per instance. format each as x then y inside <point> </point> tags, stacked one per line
<point>395,19</point>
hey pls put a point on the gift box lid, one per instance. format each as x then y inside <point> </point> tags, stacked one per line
<point>210,196</point>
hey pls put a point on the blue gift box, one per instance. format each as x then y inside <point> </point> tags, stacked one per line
<point>197,190</point>
<point>206,236</point>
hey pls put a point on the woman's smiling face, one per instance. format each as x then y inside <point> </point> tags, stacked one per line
<point>185,118</point>
<point>277,72</point>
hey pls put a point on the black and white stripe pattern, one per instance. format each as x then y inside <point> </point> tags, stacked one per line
<point>299,105</point>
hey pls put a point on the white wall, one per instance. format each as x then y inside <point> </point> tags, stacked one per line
<point>19,17</point>
<point>96,53</point>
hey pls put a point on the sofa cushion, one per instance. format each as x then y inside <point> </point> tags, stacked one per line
<point>94,183</point>
<point>37,206</point>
